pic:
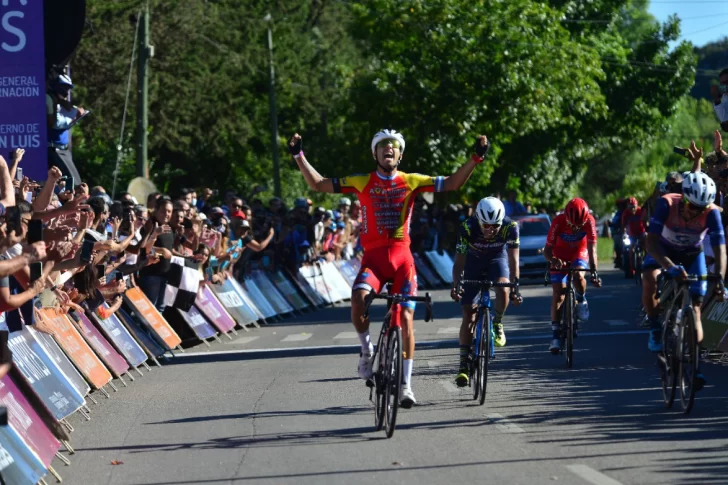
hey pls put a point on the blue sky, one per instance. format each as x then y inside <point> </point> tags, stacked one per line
<point>703,21</point>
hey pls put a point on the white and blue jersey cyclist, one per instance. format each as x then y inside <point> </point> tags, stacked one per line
<point>675,237</point>
<point>487,249</point>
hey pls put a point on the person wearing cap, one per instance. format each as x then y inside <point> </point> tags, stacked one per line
<point>61,115</point>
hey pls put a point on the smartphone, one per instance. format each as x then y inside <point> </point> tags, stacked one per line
<point>36,271</point>
<point>19,173</point>
<point>187,224</point>
<point>143,253</point>
<point>119,276</point>
<point>680,151</point>
<point>101,270</point>
<point>35,231</point>
<point>86,250</point>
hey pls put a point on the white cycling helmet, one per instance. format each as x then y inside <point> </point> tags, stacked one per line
<point>387,135</point>
<point>699,189</point>
<point>490,211</point>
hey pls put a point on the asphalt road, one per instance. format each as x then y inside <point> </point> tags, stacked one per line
<point>281,404</point>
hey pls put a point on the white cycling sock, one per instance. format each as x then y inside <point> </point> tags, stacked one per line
<point>366,342</point>
<point>407,374</point>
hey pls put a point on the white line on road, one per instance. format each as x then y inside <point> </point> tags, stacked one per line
<point>343,335</point>
<point>297,337</point>
<point>434,364</point>
<point>592,476</point>
<point>449,386</point>
<point>242,340</point>
<point>503,424</point>
<point>617,323</point>
<point>448,330</point>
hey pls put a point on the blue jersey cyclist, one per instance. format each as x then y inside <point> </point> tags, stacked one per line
<point>675,242</point>
<point>487,249</point>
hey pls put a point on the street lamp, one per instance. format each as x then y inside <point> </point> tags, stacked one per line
<point>273,112</point>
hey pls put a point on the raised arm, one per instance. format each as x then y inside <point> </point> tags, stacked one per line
<point>7,197</point>
<point>458,179</point>
<point>314,179</point>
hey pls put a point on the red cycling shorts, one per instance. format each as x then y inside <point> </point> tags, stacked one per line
<point>389,263</point>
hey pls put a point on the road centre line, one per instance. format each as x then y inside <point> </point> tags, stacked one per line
<point>591,475</point>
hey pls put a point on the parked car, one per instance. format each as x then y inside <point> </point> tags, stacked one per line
<point>533,230</point>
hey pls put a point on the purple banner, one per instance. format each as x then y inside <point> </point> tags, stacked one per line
<point>213,310</point>
<point>198,323</point>
<point>23,418</point>
<point>101,346</point>
<point>22,85</point>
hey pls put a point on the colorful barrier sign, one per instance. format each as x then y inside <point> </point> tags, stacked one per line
<point>279,303</point>
<point>306,288</point>
<point>255,296</point>
<point>288,290</point>
<point>151,316</point>
<point>120,337</point>
<point>425,273</point>
<point>54,389</point>
<point>26,422</point>
<point>348,270</point>
<point>53,350</point>
<point>209,306</point>
<point>18,463</point>
<point>76,348</point>
<point>442,264</point>
<point>234,303</point>
<point>198,323</point>
<point>333,278</point>
<point>141,333</point>
<point>111,358</point>
<point>22,85</point>
<point>314,277</point>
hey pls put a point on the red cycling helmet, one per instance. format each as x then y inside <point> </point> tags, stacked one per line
<point>632,202</point>
<point>576,212</point>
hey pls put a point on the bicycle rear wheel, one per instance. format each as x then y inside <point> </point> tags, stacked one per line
<point>394,378</point>
<point>484,356</point>
<point>567,329</point>
<point>689,355</point>
<point>669,362</point>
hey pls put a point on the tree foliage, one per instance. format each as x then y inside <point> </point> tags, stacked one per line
<point>562,88</point>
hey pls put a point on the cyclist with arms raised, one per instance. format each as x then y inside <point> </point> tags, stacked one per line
<point>571,242</point>
<point>675,243</point>
<point>387,198</point>
<point>487,249</point>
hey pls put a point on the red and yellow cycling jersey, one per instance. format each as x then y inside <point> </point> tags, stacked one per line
<point>386,204</point>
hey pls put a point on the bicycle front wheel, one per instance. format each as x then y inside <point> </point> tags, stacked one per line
<point>689,355</point>
<point>380,403</point>
<point>484,356</point>
<point>669,362</point>
<point>567,329</point>
<point>394,378</point>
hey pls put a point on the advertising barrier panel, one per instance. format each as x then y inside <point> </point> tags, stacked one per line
<point>111,358</point>
<point>54,389</point>
<point>715,324</point>
<point>198,323</point>
<point>76,348</point>
<point>120,337</point>
<point>233,303</point>
<point>300,280</point>
<point>26,422</point>
<point>19,465</point>
<point>314,277</point>
<point>210,307</point>
<point>141,334</point>
<point>349,270</point>
<point>279,303</point>
<point>249,290</point>
<point>424,272</point>
<point>333,278</point>
<point>286,288</point>
<point>49,344</point>
<point>442,264</point>
<point>150,316</point>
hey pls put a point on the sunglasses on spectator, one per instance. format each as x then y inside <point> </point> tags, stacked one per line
<point>237,206</point>
<point>385,143</point>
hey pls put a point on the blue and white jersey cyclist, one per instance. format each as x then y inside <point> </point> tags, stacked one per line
<point>487,249</point>
<point>675,236</point>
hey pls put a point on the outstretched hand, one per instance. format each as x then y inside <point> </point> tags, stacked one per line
<point>295,145</point>
<point>481,146</point>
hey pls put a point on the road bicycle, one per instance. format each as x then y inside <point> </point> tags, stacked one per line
<point>386,382</point>
<point>567,331</point>
<point>482,350</point>
<point>680,356</point>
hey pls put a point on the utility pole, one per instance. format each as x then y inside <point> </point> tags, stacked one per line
<point>145,53</point>
<point>273,112</point>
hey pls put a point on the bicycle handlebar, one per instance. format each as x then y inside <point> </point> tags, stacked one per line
<point>398,298</point>
<point>489,284</point>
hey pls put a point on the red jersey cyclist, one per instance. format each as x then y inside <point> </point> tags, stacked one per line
<point>634,226</point>
<point>572,242</point>
<point>387,198</point>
